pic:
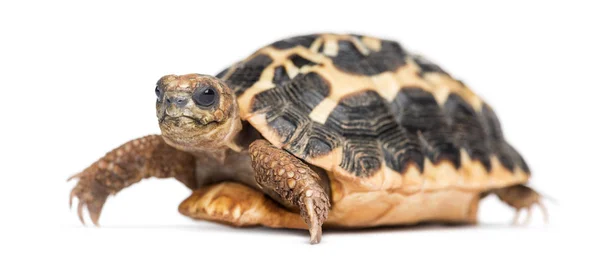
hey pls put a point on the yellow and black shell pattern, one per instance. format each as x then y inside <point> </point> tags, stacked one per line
<point>373,114</point>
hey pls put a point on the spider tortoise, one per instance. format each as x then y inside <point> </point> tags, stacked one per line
<point>329,130</point>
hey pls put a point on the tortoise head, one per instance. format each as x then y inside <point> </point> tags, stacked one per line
<point>197,112</point>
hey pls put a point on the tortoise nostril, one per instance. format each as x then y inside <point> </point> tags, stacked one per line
<point>181,102</point>
<point>178,101</point>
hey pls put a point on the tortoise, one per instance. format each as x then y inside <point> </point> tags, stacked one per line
<point>335,130</point>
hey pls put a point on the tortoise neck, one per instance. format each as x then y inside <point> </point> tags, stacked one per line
<point>246,136</point>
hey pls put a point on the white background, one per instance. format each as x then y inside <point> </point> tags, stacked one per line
<point>77,79</point>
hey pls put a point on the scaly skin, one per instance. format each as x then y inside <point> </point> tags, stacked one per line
<point>294,182</point>
<point>141,158</point>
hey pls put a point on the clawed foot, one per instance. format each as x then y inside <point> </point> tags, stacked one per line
<point>295,182</point>
<point>529,213</point>
<point>522,197</point>
<point>314,209</point>
<point>90,194</point>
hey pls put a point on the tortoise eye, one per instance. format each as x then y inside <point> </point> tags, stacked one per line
<point>158,92</point>
<point>205,96</point>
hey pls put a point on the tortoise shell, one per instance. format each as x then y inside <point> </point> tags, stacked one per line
<point>373,115</point>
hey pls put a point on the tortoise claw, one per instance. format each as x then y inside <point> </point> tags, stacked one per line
<point>314,223</point>
<point>529,210</point>
<point>315,212</point>
<point>80,212</point>
<point>515,220</point>
<point>544,212</point>
<point>315,235</point>
<point>90,195</point>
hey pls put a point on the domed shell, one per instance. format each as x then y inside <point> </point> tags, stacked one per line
<point>374,115</point>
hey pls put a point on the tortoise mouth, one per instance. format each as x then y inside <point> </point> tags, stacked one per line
<point>191,134</point>
<point>197,121</point>
<point>185,120</point>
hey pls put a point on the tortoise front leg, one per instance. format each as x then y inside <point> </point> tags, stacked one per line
<point>282,175</point>
<point>141,158</point>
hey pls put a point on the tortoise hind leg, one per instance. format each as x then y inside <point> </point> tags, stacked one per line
<point>521,197</point>
<point>238,205</point>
